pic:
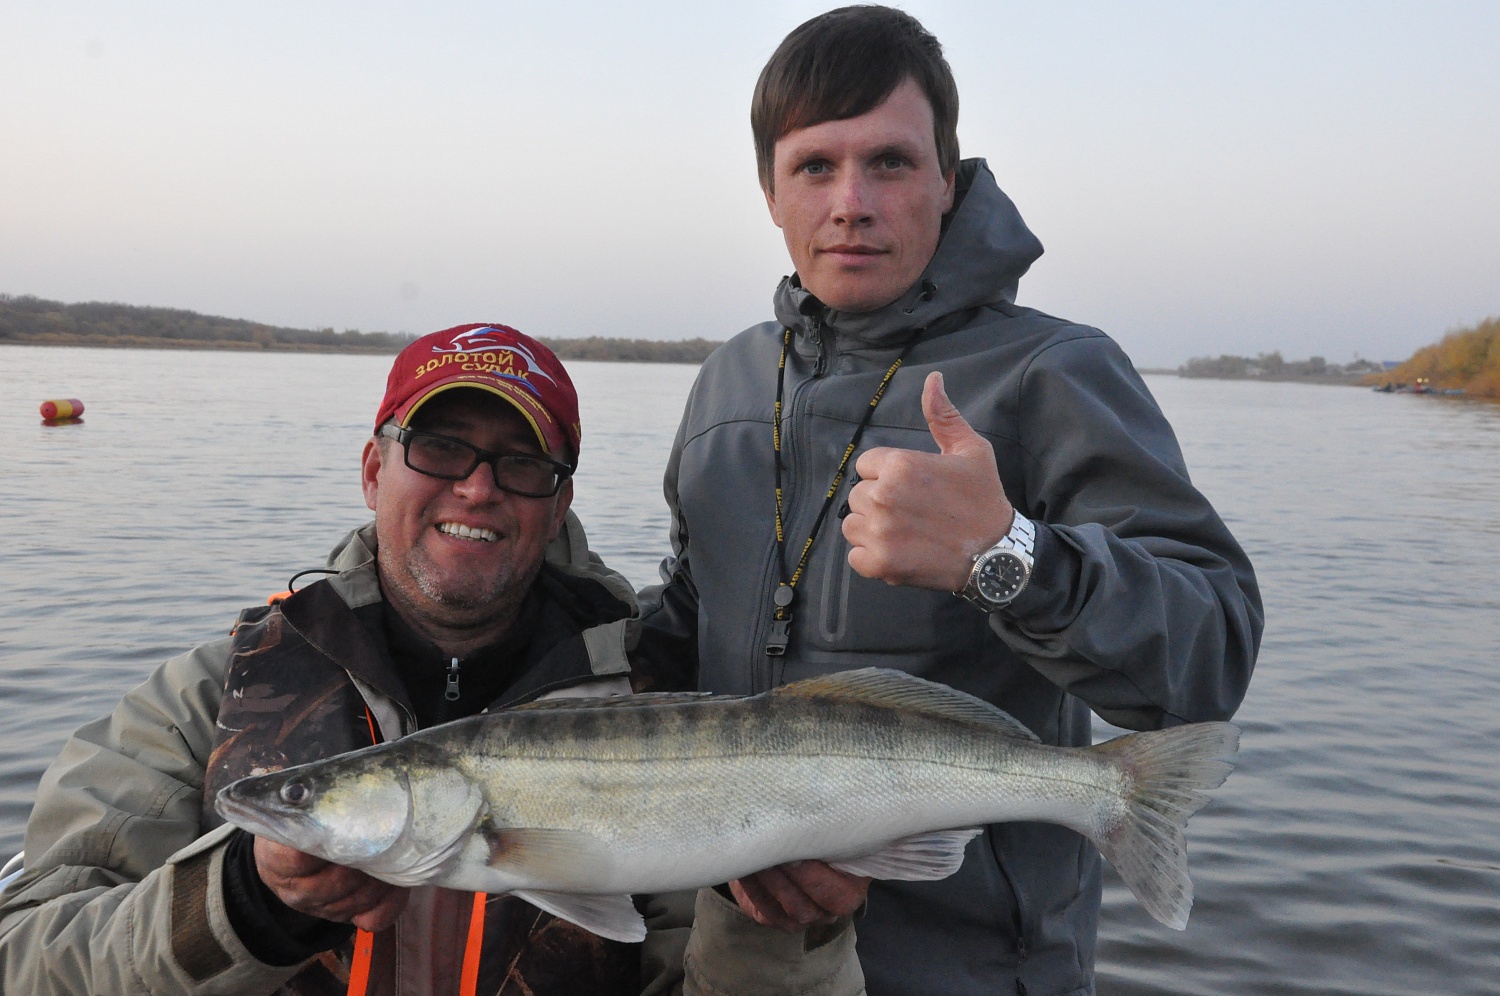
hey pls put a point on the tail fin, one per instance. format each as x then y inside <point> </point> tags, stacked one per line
<point>1166,771</point>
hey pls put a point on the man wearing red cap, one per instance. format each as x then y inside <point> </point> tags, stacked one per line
<point>472,589</point>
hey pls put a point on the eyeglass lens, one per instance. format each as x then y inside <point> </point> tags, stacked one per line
<point>454,459</point>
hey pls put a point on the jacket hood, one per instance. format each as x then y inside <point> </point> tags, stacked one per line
<point>984,249</point>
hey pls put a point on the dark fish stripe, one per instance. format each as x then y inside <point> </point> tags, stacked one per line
<point>673,729</point>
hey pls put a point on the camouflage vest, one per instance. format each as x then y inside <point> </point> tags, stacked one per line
<point>290,696</point>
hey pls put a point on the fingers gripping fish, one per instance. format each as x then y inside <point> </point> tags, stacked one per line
<point>575,804</point>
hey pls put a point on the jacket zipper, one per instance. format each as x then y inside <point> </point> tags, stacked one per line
<point>1020,917</point>
<point>450,692</point>
<point>820,369</point>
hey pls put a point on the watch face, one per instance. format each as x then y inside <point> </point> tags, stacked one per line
<point>1000,577</point>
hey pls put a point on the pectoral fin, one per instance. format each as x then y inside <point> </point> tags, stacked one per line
<point>498,860</point>
<point>614,917</point>
<point>563,857</point>
<point>918,858</point>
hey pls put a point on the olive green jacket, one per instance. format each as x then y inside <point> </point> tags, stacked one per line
<point>122,895</point>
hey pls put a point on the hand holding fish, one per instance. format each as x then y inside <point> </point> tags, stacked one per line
<point>322,889</point>
<point>795,896</point>
<point>919,519</point>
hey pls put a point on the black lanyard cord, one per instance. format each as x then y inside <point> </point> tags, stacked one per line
<point>785,592</point>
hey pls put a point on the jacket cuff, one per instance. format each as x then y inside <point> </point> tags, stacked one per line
<point>1045,605</point>
<point>729,954</point>
<point>203,953</point>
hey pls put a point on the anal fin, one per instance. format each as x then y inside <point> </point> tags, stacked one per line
<point>921,857</point>
<point>613,917</point>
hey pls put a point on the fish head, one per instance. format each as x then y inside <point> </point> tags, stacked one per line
<point>398,814</point>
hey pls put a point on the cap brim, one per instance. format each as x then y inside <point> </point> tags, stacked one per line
<point>551,437</point>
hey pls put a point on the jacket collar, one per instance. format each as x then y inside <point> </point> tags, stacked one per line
<point>984,250</point>
<point>326,614</point>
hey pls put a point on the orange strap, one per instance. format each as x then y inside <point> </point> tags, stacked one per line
<point>364,941</point>
<point>468,982</point>
<point>359,972</point>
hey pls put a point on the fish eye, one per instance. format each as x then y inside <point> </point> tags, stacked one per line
<point>296,793</point>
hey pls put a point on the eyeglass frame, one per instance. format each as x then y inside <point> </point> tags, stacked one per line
<point>404,434</point>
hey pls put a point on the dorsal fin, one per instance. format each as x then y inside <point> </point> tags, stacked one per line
<point>617,701</point>
<point>897,689</point>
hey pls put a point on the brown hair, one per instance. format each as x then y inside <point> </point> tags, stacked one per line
<point>843,64</point>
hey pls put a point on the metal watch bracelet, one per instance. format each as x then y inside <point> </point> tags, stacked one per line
<point>1002,572</point>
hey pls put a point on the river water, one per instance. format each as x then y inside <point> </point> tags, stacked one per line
<point>1356,849</point>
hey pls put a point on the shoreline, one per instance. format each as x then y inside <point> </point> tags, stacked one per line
<point>64,339</point>
<point>227,345</point>
<point>1356,381</point>
<point>240,346</point>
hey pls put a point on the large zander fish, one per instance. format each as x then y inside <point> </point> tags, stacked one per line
<point>574,804</point>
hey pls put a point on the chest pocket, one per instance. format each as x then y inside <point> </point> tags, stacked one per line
<point>849,614</point>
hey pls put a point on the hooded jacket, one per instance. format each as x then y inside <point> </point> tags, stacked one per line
<point>1141,608</point>
<point>124,892</point>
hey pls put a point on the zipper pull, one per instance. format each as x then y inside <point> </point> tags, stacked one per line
<point>451,692</point>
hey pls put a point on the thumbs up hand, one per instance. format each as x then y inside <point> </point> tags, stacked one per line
<point>919,518</point>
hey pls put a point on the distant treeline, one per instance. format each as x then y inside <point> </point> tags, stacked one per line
<point>1466,360</point>
<point>1271,366</point>
<point>32,321</point>
<point>637,350</point>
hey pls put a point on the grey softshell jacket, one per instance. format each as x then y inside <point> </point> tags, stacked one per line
<point>1142,607</point>
<point>118,900</point>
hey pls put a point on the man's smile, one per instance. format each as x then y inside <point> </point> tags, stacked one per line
<point>461,531</point>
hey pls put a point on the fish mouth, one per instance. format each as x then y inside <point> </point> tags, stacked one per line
<point>255,819</point>
<point>460,531</point>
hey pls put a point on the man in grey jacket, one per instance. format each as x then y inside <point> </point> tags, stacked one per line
<point>474,588</point>
<point>906,469</point>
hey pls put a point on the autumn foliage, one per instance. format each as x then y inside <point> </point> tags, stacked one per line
<point>1468,359</point>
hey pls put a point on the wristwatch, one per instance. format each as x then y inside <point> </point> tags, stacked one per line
<point>1001,572</point>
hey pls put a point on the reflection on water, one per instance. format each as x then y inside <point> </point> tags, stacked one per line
<point>1355,850</point>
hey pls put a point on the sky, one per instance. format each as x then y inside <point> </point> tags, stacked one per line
<point>1318,178</point>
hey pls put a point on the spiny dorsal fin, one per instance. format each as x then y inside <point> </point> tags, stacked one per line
<point>897,689</point>
<point>617,701</point>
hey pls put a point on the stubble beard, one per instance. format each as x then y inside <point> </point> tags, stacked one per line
<point>472,601</point>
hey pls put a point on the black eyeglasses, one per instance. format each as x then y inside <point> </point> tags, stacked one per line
<point>454,460</point>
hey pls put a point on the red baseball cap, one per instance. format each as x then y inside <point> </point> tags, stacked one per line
<point>494,358</point>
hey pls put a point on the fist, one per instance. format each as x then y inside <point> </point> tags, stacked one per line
<point>793,897</point>
<point>918,518</point>
<point>332,892</point>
